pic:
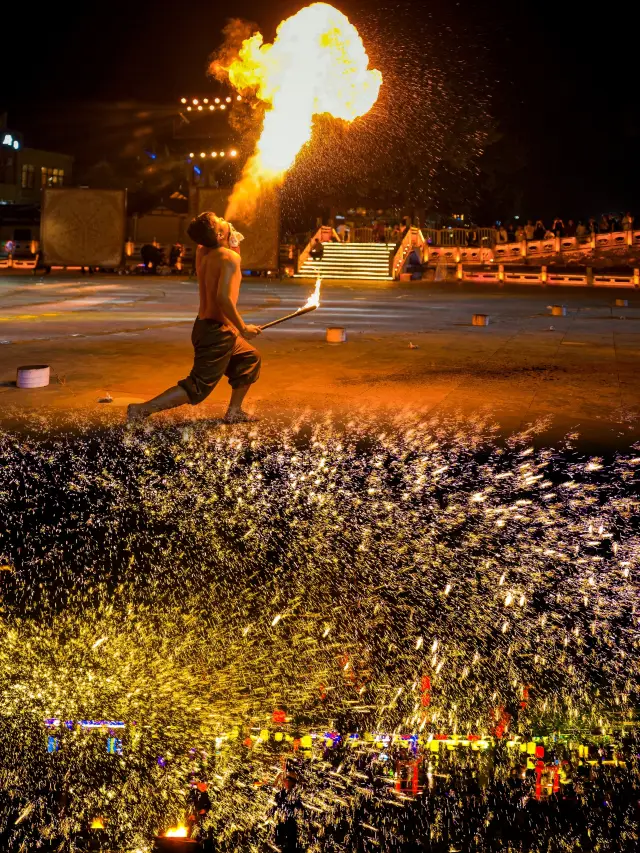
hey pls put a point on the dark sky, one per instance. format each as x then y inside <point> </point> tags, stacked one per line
<point>563,77</point>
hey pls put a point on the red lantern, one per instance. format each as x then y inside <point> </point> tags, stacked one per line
<point>279,716</point>
<point>501,718</point>
<point>425,691</point>
<point>539,769</point>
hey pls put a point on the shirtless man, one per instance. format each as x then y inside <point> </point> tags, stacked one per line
<point>220,335</point>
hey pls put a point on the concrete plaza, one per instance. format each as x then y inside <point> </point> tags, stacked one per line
<point>409,345</point>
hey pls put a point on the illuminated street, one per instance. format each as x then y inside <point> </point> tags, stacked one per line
<point>129,337</point>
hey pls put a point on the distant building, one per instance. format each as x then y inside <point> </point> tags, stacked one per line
<point>24,172</point>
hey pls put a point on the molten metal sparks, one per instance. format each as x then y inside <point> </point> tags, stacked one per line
<point>316,64</point>
<point>183,544</point>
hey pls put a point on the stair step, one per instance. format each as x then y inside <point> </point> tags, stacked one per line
<point>340,270</point>
<point>346,277</point>
<point>350,261</point>
<point>362,265</point>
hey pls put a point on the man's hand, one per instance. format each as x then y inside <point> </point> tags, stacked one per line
<point>250,331</point>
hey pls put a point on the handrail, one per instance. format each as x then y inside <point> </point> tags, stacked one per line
<point>413,239</point>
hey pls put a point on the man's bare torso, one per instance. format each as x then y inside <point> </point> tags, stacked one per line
<point>210,266</point>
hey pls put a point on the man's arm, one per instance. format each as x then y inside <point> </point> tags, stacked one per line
<point>228,289</point>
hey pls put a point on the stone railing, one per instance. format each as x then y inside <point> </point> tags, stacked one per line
<point>532,249</point>
<point>526,251</point>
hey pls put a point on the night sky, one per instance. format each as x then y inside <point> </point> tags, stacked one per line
<point>562,79</point>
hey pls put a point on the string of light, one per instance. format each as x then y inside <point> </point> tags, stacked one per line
<point>210,104</point>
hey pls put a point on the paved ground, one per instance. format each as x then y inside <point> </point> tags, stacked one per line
<point>129,336</point>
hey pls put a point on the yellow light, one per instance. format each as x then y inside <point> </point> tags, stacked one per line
<point>189,109</point>
<point>199,108</point>
<point>239,98</point>
<point>97,823</point>
<point>205,100</point>
<point>223,106</point>
<point>183,100</point>
<point>214,153</point>
<point>228,100</point>
<point>217,100</point>
<point>211,107</point>
<point>233,152</point>
<point>202,154</point>
<point>222,153</point>
<point>195,101</point>
<point>192,154</point>
<point>179,831</point>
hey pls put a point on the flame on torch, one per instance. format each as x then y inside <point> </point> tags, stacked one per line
<point>310,305</point>
<point>316,64</point>
<point>314,300</point>
<point>179,831</point>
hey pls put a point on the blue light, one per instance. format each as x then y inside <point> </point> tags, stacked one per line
<point>197,170</point>
<point>10,141</point>
<point>114,746</point>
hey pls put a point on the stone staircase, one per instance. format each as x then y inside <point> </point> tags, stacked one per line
<point>368,261</point>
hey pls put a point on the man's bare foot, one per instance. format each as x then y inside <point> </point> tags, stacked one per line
<point>136,412</point>
<point>238,416</point>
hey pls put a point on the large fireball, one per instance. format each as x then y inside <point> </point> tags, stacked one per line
<point>316,64</point>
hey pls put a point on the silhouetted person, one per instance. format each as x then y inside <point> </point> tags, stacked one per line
<point>317,250</point>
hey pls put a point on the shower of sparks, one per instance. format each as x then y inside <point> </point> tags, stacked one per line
<point>190,580</point>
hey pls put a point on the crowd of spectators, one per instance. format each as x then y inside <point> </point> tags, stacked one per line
<point>596,809</point>
<point>516,232</point>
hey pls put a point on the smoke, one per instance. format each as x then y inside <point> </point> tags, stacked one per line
<point>235,32</point>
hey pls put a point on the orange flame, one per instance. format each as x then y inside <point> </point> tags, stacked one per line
<point>179,831</point>
<point>316,64</point>
<point>97,823</point>
<point>314,300</point>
